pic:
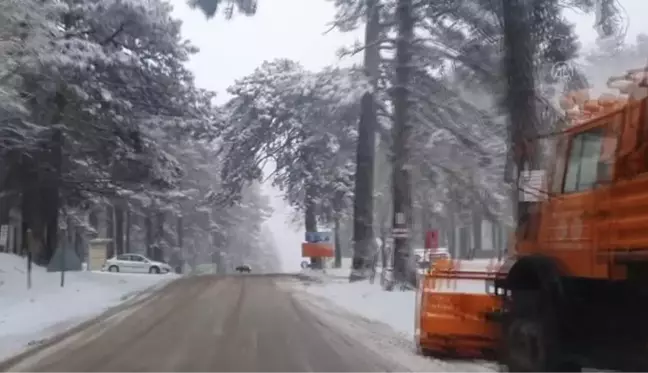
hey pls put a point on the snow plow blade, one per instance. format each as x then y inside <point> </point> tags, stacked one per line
<point>457,308</point>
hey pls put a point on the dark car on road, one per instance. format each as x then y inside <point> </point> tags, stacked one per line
<point>243,268</point>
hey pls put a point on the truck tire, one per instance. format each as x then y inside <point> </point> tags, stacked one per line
<point>531,334</point>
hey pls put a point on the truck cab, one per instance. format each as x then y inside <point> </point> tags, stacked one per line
<point>576,281</point>
<point>594,220</point>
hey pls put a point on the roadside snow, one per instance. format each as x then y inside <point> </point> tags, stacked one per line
<point>382,321</point>
<point>395,308</point>
<point>28,316</point>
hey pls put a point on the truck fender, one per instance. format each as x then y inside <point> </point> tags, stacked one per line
<point>535,272</point>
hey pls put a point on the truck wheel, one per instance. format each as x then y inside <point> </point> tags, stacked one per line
<point>525,345</point>
<point>531,342</point>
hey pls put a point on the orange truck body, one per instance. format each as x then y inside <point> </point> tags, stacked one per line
<point>454,303</point>
<point>594,232</point>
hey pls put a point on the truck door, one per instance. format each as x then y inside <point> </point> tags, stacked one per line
<point>573,219</point>
<point>603,221</point>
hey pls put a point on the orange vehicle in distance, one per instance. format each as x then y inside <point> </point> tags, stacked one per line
<point>573,290</point>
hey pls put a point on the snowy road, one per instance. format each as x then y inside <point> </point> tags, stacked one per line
<point>206,323</point>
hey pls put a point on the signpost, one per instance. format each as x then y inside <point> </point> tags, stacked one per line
<point>400,230</point>
<point>532,185</point>
<point>318,245</point>
<point>97,249</point>
<point>4,237</point>
<point>432,239</point>
<point>431,244</point>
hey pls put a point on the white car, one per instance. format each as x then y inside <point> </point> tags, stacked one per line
<point>135,263</point>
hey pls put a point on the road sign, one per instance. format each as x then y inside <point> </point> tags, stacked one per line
<point>400,232</point>
<point>317,250</point>
<point>432,239</point>
<point>317,237</point>
<point>318,245</point>
<point>532,186</point>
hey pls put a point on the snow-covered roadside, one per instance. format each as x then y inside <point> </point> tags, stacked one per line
<point>395,308</point>
<point>382,321</point>
<point>28,316</point>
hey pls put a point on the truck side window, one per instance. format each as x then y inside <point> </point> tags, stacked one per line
<point>583,165</point>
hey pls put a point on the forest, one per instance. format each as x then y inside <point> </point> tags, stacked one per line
<point>104,132</point>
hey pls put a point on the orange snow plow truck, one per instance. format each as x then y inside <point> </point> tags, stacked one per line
<point>573,289</point>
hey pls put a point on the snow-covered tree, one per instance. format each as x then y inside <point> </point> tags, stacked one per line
<point>211,7</point>
<point>457,92</point>
<point>281,111</point>
<point>304,122</point>
<point>99,112</point>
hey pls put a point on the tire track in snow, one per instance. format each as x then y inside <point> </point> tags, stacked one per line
<point>378,336</point>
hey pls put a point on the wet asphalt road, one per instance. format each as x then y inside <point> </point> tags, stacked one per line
<point>208,323</point>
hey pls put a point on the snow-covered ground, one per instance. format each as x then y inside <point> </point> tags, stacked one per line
<point>395,308</point>
<point>27,316</point>
<point>384,320</point>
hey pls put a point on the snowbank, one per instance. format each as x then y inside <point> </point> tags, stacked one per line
<point>27,316</point>
<point>384,322</point>
<point>395,308</point>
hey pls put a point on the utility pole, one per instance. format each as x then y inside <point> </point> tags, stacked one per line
<point>402,131</point>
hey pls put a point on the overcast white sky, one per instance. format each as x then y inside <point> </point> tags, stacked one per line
<point>295,29</point>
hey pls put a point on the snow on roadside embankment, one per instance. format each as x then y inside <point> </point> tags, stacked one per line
<point>395,308</point>
<point>47,309</point>
<point>383,321</point>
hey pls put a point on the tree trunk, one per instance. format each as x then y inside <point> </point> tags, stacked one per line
<point>53,203</point>
<point>365,154</point>
<point>495,236</point>
<point>520,97</point>
<point>310,220</point>
<point>127,234</point>
<point>402,219</point>
<point>363,193</point>
<point>477,243</point>
<point>24,225</point>
<point>180,232</point>
<point>71,233</point>
<point>119,227</point>
<point>338,242</point>
<point>383,247</point>
<point>110,229</point>
<point>452,231</point>
<point>180,256</point>
<point>158,253</point>
<point>148,226</point>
